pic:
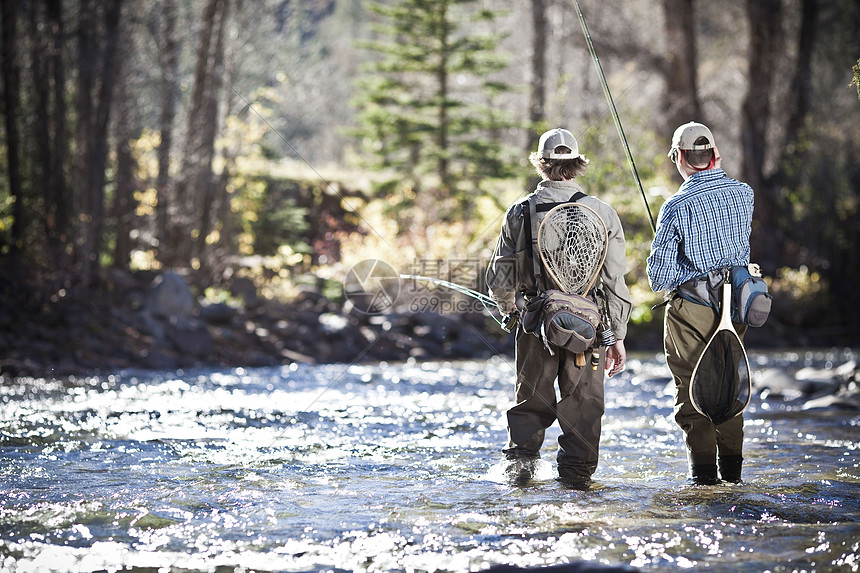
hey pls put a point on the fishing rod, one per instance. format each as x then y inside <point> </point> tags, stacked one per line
<point>508,320</point>
<point>614,111</point>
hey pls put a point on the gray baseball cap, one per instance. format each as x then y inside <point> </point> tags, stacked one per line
<point>686,136</point>
<point>555,138</point>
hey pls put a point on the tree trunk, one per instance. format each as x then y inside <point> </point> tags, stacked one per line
<point>213,261</point>
<point>681,98</point>
<point>765,18</point>
<point>59,140</point>
<point>84,112</point>
<point>800,89</point>
<point>792,155</point>
<point>44,170</point>
<point>196,174</point>
<point>11,101</point>
<point>50,125</point>
<point>123,207</point>
<point>169,60</point>
<point>537,98</point>
<point>210,189</point>
<point>95,138</point>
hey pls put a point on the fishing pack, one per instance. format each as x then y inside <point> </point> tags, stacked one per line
<point>571,243</point>
<point>565,320</point>
<point>750,302</point>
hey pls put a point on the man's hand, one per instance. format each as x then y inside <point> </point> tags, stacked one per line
<point>616,357</point>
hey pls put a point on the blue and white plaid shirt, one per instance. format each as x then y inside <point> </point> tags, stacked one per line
<point>704,226</point>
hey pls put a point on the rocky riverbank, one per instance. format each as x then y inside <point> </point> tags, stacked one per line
<point>155,322</point>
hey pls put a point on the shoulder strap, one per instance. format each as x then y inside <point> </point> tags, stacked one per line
<point>530,221</point>
<point>532,235</point>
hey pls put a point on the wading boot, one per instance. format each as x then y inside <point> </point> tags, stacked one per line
<point>577,482</point>
<point>730,468</point>
<point>704,474</point>
<point>575,475</point>
<point>520,470</point>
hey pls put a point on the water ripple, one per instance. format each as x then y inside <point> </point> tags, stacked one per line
<point>397,467</point>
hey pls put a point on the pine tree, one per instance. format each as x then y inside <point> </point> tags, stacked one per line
<point>426,104</point>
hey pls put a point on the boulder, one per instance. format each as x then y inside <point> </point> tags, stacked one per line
<point>218,313</point>
<point>170,298</point>
<point>191,339</point>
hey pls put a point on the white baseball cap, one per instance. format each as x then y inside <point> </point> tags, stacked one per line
<point>685,137</point>
<point>555,138</point>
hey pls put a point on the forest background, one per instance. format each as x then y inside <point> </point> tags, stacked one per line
<point>272,145</point>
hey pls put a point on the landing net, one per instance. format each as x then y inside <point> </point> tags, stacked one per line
<point>572,242</point>
<point>720,386</point>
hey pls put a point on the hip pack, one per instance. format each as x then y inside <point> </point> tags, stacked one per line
<point>564,320</point>
<point>751,302</point>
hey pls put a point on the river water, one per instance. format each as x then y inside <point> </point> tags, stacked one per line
<point>396,467</point>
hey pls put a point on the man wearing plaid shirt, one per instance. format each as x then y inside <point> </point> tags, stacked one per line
<point>704,226</point>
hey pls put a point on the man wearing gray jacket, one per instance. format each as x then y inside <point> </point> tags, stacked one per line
<point>511,272</point>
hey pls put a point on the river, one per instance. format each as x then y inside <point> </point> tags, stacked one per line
<point>396,467</point>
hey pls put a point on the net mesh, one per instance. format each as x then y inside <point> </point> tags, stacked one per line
<point>720,386</point>
<point>572,242</point>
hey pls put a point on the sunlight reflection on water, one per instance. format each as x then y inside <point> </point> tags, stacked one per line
<point>396,467</point>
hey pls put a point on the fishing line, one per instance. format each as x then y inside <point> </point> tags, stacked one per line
<point>454,286</point>
<point>485,300</point>
<point>614,111</point>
